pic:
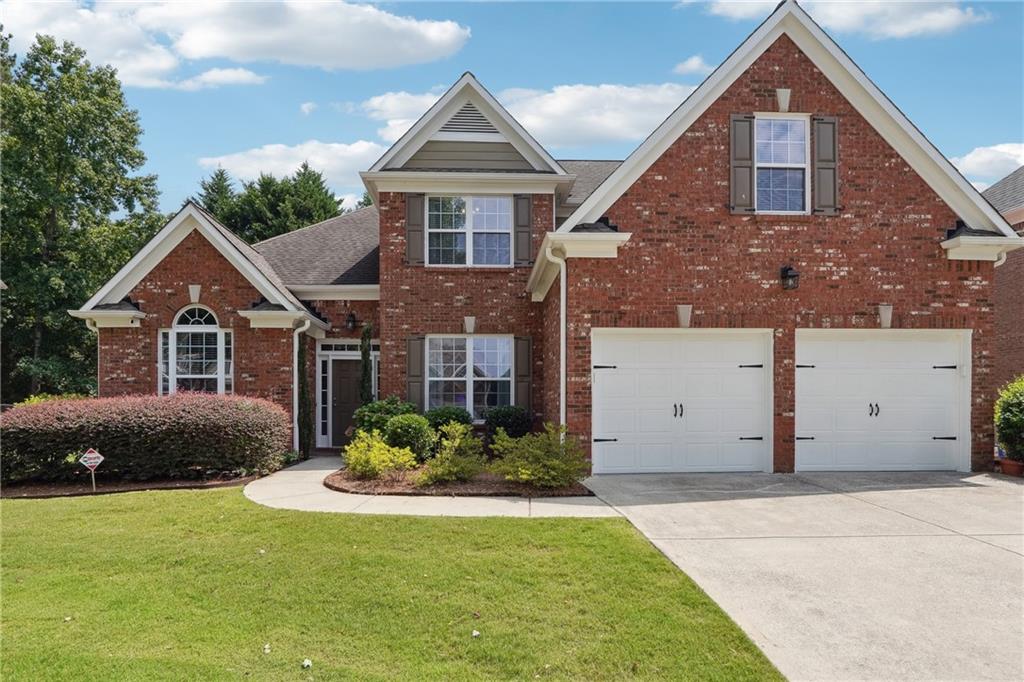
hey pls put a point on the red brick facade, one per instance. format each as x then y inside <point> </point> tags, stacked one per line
<point>688,248</point>
<point>1009,297</point>
<point>262,357</point>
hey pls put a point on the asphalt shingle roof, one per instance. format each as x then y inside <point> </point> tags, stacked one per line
<point>341,250</point>
<point>589,174</point>
<point>1008,193</point>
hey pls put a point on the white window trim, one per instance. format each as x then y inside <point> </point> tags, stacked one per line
<point>469,379</point>
<point>805,166</point>
<point>468,231</point>
<point>172,351</point>
<point>322,354</point>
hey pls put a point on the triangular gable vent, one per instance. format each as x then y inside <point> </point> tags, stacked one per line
<point>468,119</point>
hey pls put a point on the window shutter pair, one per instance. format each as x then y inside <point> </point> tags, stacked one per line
<point>522,228</point>
<point>416,373</point>
<point>824,160</point>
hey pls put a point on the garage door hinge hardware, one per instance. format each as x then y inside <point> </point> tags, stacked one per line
<point>606,440</point>
<point>805,437</point>
<point>751,366</point>
<point>943,366</point>
<point>805,366</point>
<point>606,366</point>
<point>943,437</point>
<point>751,437</point>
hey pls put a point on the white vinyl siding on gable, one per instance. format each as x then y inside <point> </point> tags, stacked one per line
<point>473,230</point>
<point>782,163</point>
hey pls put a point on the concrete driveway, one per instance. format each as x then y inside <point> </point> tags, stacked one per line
<point>850,576</point>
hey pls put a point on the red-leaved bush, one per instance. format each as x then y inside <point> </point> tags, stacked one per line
<point>188,435</point>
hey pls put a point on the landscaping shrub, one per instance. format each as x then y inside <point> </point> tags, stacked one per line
<point>411,431</point>
<point>46,397</point>
<point>374,416</point>
<point>514,420</point>
<point>460,456</point>
<point>542,459</point>
<point>439,416</point>
<point>369,456</point>
<point>1009,413</point>
<point>187,435</point>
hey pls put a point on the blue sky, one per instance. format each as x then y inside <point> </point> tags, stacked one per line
<point>226,84</point>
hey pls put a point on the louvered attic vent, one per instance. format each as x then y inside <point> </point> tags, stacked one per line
<point>468,119</point>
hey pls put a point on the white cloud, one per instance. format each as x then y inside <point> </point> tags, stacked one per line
<point>340,163</point>
<point>148,41</point>
<point>215,78</point>
<point>991,163</point>
<point>693,65</point>
<point>573,115</point>
<point>875,18</point>
<point>349,200</point>
<point>399,110</point>
<point>307,108</point>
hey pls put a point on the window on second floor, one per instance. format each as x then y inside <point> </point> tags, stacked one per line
<point>471,230</point>
<point>781,161</point>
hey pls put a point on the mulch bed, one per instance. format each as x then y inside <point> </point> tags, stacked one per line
<point>484,485</point>
<point>76,488</point>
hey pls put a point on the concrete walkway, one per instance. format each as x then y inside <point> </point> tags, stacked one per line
<point>912,576</point>
<point>301,488</point>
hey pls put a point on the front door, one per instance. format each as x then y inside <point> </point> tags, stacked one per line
<point>345,376</point>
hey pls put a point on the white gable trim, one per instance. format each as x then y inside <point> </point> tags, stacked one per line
<point>187,220</point>
<point>790,19</point>
<point>467,89</point>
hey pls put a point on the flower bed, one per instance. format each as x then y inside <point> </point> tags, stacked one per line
<point>484,484</point>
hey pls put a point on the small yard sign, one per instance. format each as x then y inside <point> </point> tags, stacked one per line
<point>90,460</point>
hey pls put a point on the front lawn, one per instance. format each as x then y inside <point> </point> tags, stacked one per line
<point>192,584</point>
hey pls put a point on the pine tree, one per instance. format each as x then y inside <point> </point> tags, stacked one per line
<point>218,196</point>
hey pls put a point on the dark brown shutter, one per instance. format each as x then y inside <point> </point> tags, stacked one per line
<point>522,208</point>
<point>524,371</point>
<point>414,215</point>
<point>415,374</point>
<point>825,181</point>
<point>741,163</point>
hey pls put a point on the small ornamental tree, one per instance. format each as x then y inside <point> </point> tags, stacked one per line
<point>366,369</point>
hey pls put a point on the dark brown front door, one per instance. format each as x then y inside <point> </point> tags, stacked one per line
<point>344,397</point>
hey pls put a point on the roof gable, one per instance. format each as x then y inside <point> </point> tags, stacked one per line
<point>467,112</point>
<point>894,127</point>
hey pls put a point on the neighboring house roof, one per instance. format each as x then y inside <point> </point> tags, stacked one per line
<point>341,250</point>
<point>790,19</point>
<point>589,174</point>
<point>1007,194</point>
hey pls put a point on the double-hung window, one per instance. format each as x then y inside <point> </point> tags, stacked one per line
<point>472,372</point>
<point>195,354</point>
<point>782,160</point>
<point>469,230</point>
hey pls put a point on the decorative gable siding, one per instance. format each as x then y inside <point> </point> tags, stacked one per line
<point>687,248</point>
<point>468,119</point>
<point>454,155</point>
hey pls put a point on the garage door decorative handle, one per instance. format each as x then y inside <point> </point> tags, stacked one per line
<point>873,409</point>
<point>751,437</point>
<point>943,437</point>
<point>606,440</point>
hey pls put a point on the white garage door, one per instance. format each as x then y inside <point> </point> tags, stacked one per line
<point>674,400</point>
<point>880,400</point>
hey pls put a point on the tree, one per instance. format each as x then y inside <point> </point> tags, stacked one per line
<point>70,148</point>
<point>364,201</point>
<point>310,201</point>
<point>218,196</point>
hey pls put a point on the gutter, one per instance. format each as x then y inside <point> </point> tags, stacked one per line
<point>563,297</point>
<point>295,379</point>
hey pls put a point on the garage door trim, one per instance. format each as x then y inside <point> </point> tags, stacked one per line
<point>765,335</point>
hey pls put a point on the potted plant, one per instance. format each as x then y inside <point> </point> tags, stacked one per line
<point>1009,413</point>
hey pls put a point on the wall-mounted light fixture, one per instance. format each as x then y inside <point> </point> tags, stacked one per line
<point>789,277</point>
<point>351,322</point>
<point>885,315</point>
<point>683,312</point>
<point>469,324</point>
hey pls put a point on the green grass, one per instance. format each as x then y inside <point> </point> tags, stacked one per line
<point>172,585</point>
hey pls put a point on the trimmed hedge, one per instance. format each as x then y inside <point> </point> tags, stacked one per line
<point>187,435</point>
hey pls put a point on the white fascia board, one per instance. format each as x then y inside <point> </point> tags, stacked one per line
<point>110,318</point>
<point>571,245</point>
<point>464,182</point>
<point>467,88</point>
<point>336,292</point>
<point>187,220</point>
<point>836,65</point>
<point>280,319</point>
<point>980,248</point>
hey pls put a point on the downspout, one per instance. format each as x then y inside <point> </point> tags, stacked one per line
<point>295,380</point>
<point>563,297</point>
<point>1001,259</point>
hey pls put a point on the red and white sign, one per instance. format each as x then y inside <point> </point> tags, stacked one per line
<point>91,459</point>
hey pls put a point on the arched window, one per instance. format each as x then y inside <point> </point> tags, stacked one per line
<point>195,354</point>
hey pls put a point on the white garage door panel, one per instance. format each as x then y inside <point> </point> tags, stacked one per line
<point>642,378</point>
<point>878,400</point>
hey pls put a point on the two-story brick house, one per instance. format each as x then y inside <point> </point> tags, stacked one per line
<point>785,275</point>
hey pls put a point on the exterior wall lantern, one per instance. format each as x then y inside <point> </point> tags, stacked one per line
<point>789,277</point>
